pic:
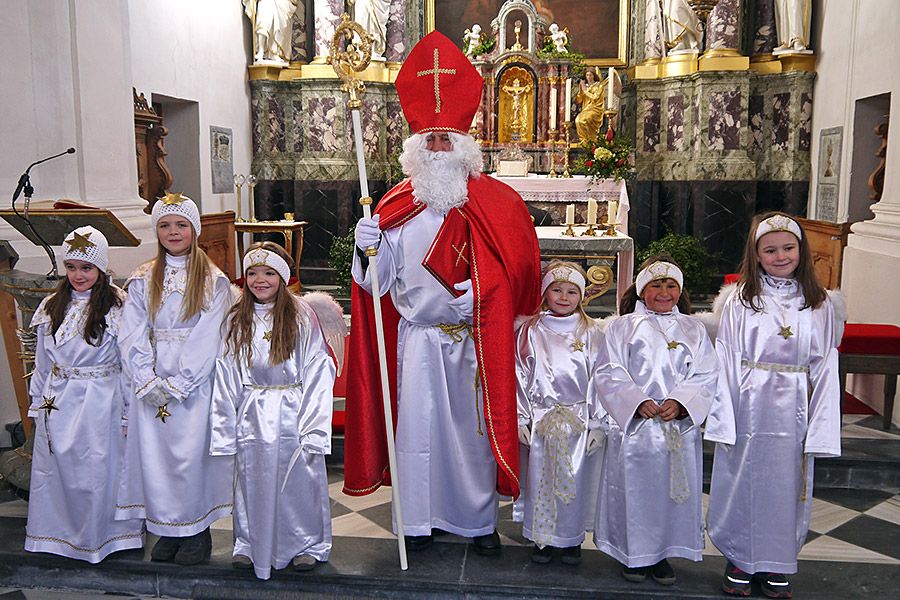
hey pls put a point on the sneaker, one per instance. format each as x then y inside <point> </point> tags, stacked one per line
<point>303,562</point>
<point>571,555</point>
<point>663,573</point>
<point>775,585</point>
<point>195,549</point>
<point>165,549</point>
<point>542,555</point>
<point>487,545</point>
<point>240,561</point>
<point>736,582</point>
<point>634,574</point>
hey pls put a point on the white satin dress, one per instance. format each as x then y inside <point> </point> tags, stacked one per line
<point>276,420</point>
<point>169,478</point>
<point>650,505</point>
<point>555,360</point>
<point>777,408</point>
<point>77,402</point>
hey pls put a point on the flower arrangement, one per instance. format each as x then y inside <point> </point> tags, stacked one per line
<point>607,157</point>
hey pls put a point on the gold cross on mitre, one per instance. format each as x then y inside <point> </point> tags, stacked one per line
<point>80,242</point>
<point>436,71</point>
<point>171,198</point>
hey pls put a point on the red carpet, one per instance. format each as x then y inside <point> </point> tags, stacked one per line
<point>852,406</point>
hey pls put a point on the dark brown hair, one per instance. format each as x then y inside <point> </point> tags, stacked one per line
<point>630,296</point>
<point>103,299</point>
<point>751,271</point>
<point>285,328</point>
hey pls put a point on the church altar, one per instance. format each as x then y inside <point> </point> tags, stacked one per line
<point>542,192</point>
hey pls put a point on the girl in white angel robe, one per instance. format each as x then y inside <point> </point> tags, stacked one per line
<point>656,377</point>
<point>561,426</point>
<point>274,413</point>
<point>778,403</point>
<point>170,478</point>
<point>77,402</point>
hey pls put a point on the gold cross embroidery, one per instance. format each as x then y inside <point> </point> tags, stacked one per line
<point>459,253</point>
<point>436,71</point>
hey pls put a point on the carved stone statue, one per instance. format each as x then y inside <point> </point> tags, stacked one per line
<point>472,39</point>
<point>792,19</point>
<point>519,112</point>
<point>592,98</point>
<point>373,16</point>
<point>560,38</point>
<point>271,21</point>
<point>684,34</point>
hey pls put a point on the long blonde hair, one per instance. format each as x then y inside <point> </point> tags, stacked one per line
<point>285,325</point>
<point>199,269</point>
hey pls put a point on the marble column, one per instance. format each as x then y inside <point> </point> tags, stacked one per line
<point>327,15</point>
<point>299,51</point>
<point>764,38</point>
<point>723,27</point>
<point>396,32</point>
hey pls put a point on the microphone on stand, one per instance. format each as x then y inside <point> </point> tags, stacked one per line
<point>25,186</point>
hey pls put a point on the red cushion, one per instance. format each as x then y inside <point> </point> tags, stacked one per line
<point>732,278</point>
<point>870,338</point>
<point>338,419</point>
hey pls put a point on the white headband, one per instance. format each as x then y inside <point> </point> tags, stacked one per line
<point>87,244</point>
<point>563,274</point>
<point>260,257</point>
<point>176,204</point>
<point>778,223</point>
<point>655,271</point>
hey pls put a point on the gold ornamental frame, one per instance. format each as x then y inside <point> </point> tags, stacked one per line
<point>594,61</point>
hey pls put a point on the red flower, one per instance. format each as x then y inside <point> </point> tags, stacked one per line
<point>620,162</point>
<point>610,134</point>
<point>589,163</point>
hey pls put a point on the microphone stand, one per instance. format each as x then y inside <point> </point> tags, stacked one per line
<point>24,186</point>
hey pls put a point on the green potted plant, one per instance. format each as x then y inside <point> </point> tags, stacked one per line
<point>695,261</point>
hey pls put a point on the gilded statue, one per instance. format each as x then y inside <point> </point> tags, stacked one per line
<point>517,29</point>
<point>592,98</point>
<point>519,112</point>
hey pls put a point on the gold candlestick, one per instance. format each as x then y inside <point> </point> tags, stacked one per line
<point>590,231</point>
<point>610,229</point>
<point>569,231</point>
<point>567,129</point>
<point>251,183</point>
<point>238,184</point>
<point>551,143</point>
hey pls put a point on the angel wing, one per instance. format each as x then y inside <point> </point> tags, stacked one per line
<point>331,320</point>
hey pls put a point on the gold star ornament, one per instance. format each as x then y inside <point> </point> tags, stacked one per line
<point>80,242</point>
<point>785,331</point>
<point>672,345</point>
<point>49,404</point>
<point>163,413</point>
<point>171,198</point>
<point>577,346</point>
<point>267,336</point>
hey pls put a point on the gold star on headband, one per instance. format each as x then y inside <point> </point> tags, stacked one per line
<point>80,242</point>
<point>258,258</point>
<point>163,412</point>
<point>563,274</point>
<point>171,198</point>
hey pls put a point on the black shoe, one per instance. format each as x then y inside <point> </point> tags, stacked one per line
<point>487,545</point>
<point>571,555</point>
<point>195,549</point>
<point>736,582</point>
<point>775,585</point>
<point>241,561</point>
<point>541,555</point>
<point>634,574</point>
<point>418,542</point>
<point>165,549</point>
<point>663,573</point>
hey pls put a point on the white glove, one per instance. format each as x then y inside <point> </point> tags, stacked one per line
<point>156,397</point>
<point>524,435</point>
<point>367,232</point>
<point>595,441</point>
<point>465,304</point>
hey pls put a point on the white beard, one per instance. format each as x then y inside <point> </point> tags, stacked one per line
<point>441,180</point>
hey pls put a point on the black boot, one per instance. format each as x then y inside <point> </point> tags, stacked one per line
<point>487,545</point>
<point>165,549</point>
<point>195,549</point>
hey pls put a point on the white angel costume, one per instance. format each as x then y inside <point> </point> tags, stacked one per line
<point>555,360</point>
<point>77,402</point>
<point>170,479</point>
<point>276,420</point>
<point>650,504</point>
<point>778,403</point>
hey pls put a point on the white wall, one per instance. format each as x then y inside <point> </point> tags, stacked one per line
<point>859,57</point>
<point>67,68</point>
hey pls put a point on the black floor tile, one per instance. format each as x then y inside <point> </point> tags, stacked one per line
<point>380,514</point>
<point>870,533</point>
<point>860,500</point>
<point>338,509</point>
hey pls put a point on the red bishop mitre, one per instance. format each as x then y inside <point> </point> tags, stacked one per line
<point>439,88</point>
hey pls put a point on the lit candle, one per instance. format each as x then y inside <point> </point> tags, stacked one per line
<point>570,214</point>
<point>568,100</point>
<point>592,212</point>
<point>553,108</point>
<point>612,211</point>
<point>610,88</point>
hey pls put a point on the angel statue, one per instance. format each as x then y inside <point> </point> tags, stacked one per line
<point>472,39</point>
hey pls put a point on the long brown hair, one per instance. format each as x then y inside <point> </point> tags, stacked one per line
<point>285,326</point>
<point>103,299</point>
<point>751,271</point>
<point>630,296</point>
<point>198,275</point>
<point>584,321</point>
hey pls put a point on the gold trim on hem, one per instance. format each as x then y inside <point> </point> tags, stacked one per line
<point>47,538</point>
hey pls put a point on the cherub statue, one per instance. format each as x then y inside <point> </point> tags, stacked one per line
<point>472,39</point>
<point>560,38</point>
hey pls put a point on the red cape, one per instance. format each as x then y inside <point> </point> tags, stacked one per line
<point>505,269</point>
